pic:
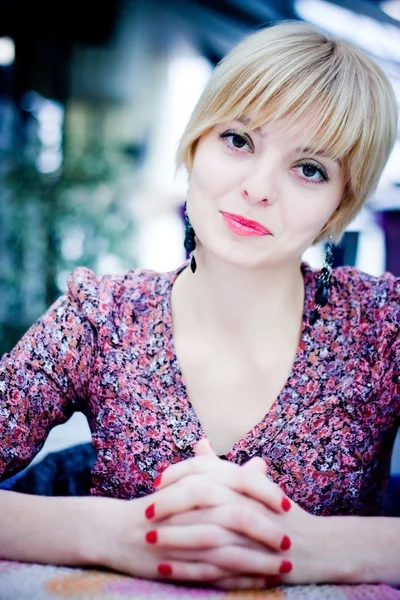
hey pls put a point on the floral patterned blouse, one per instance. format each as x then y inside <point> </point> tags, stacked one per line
<point>105,348</point>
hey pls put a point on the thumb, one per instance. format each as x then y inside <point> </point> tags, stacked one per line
<point>204,448</point>
<point>256,464</point>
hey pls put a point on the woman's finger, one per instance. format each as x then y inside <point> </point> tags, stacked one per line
<point>201,529</point>
<point>183,570</point>
<point>193,492</point>
<point>243,480</point>
<point>238,559</point>
<point>256,464</point>
<point>212,516</point>
<point>204,448</point>
<point>194,537</point>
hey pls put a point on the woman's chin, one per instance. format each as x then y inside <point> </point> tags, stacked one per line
<point>244,258</point>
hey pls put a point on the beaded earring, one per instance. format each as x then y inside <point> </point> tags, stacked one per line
<point>190,241</point>
<point>323,283</point>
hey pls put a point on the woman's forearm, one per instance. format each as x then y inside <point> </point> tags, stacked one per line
<point>47,529</point>
<point>363,549</point>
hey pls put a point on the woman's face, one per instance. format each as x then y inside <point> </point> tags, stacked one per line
<point>270,177</point>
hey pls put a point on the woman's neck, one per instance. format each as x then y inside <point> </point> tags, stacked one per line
<point>248,306</point>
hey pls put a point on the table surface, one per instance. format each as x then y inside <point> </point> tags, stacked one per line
<point>21,581</point>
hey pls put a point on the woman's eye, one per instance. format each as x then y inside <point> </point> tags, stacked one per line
<point>235,140</point>
<point>312,172</point>
<point>238,141</point>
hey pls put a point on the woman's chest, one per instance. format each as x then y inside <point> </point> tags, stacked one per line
<point>231,394</point>
<point>316,436</point>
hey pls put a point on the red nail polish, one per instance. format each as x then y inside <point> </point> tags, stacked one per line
<point>285,567</point>
<point>151,537</point>
<point>150,511</point>
<point>157,481</point>
<point>285,543</point>
<point>164,569</point>
<point>286,505</point>
<point>272,580</point>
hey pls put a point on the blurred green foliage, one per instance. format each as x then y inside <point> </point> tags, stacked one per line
<point>52,222</point>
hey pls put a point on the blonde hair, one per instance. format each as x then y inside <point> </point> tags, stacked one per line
<point>292,69</point>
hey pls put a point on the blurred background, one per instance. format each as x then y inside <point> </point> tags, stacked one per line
<point>93,100</point>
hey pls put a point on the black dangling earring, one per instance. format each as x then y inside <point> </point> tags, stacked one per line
<point>193,264</point>
<point>190,241</point>
<point>323,282</point>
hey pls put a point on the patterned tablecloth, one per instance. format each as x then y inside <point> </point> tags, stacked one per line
<point>20,581</point>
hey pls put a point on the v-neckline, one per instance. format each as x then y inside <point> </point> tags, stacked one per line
<point>184,422</point>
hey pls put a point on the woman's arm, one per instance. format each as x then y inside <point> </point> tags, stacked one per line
<point>121,535</point>
<point>48,530</point>
<point>43,380</point>
<point>355,550</point>
<point>323,549</point>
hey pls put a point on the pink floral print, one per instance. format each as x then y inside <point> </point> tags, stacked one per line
<point>105,348</point>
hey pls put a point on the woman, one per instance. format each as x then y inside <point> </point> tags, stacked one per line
<point>292,374</point>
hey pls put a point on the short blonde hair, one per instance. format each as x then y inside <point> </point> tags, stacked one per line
<point>292,69</point>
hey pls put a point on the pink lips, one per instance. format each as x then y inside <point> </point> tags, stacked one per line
<point>243,226</point>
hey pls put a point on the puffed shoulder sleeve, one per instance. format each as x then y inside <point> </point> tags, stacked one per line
<point>43,380</point>
<point>391,329</point>
<point>396,302</point>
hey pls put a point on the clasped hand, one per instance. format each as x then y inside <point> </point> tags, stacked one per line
<point>212,521</point>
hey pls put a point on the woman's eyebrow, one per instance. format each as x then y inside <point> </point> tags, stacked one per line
<point>246,121</point>
<point>322,153</point>
<point>308,150</point>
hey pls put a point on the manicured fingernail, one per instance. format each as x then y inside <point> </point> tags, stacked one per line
<point>285,567</point>
<point>157,481</point>
<point>285,543</point>
<point>286,505</point>
<point>164,569</point>
<point>272,580</point>
<point>150,511</point>
<point>151,537</point>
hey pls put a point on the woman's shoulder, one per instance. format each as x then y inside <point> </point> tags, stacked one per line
<point>364,280</point>
<point>360,301</point>
<point>84,283</point>
<point>380,292</point>
<point>349,284</point>
<point>99,295</point>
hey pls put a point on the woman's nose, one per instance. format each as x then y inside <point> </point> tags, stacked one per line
<point>254,199</point>
<point>259,189</point>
